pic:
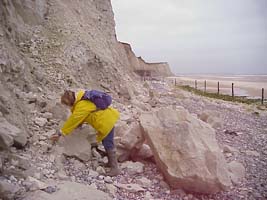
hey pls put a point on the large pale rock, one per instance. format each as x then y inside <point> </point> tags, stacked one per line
<point>138,102</point>
<point>144,182</point>
<point>36,184</point>
<point>186,150</point>
<point>126,91</point>
<point>130,141</point>
<point>69,191</point>
<point>121,128</point>
<point>77,144</point>
<point>237,171</point>
<point>8,190</point>
<point>22,161</point>
<point>6,140</point>
<point>10,134</point>
<point>143,153</point>
<point>133,137</point>
<point>212,117</point>
<point>133,167</point>
<point>58,111</point>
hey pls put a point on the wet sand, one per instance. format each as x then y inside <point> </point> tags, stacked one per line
<point>244,85</point>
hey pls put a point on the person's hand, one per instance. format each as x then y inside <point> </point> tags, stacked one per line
<point>94,145</point>
<point>55,137</point>
<point>80,126</point>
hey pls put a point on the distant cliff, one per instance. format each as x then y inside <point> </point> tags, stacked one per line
<point>139,65</point>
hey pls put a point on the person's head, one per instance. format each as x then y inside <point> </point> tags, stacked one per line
<point>68,98</point>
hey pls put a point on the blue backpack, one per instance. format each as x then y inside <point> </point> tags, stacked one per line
<point>101,99</point>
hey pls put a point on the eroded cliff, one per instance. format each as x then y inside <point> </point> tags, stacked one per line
<point>141,67</point>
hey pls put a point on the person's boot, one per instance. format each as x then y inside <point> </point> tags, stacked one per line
<point>113,162</point>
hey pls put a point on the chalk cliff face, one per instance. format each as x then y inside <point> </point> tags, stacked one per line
<point>139,64</point>
<point>47,46</point>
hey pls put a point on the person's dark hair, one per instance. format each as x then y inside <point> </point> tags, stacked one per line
<point>68,98</point>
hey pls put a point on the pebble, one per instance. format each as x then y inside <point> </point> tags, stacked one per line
<point>50,189</point>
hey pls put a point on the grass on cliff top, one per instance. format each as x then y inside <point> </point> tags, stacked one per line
<point>222,96</point>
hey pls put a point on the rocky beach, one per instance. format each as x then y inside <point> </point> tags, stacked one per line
<point>241,133</point>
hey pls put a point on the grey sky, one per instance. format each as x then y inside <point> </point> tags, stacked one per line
<point>196,36</point>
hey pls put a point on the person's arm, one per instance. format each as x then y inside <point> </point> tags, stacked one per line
<point>77,117</point>
<point>55,137</point>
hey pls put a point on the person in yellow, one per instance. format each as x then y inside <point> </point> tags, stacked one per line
<point>103,121</point>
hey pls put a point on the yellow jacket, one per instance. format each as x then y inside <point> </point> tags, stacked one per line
<point>84,111</point>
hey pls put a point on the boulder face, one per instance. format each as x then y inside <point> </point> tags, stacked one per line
<point>186,150</point>
<point>77,144</point>
<point>10,134</point>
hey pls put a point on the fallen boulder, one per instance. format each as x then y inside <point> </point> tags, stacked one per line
<point>77,144</point>
<point>185,150</point>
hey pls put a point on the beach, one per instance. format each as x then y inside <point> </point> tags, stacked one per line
<point>244,85</point>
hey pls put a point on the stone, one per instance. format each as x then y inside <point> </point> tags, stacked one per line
<point>148,196</point>
<point>8,190</point>
<point>100,170</point>
<point>126,92</point>
<point>143,153</point>
<point>77,145</point>
<point>50,189</point>
<point>252,153</point>
<point>93,173</point>
<point>58,111</point>
<point>125,117</point>
<point>185,150</point>
<point>36,184</point>
<point>108,179</point>
<point>130,187</point>
<point>133,137</point>
<point>40,121</point>
<point>62,175</point>
<point>133,167</point>
<point>229,149</point>
<point>22,161</point>
<point>139,103</point>
<point>96,154</point>
<point>79,165</point>
<point>212,117</point>
<point>111,189</point>
<point>10,134</point>
<point>6,140</point>
<point>48,115</point>
<point>20,140</point>
<point>237,171</point>
<point>144,182</point>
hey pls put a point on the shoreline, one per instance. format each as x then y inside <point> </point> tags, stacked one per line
<point>243,85</point>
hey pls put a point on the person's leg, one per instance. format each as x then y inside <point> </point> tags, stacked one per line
<point>108,143</point>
